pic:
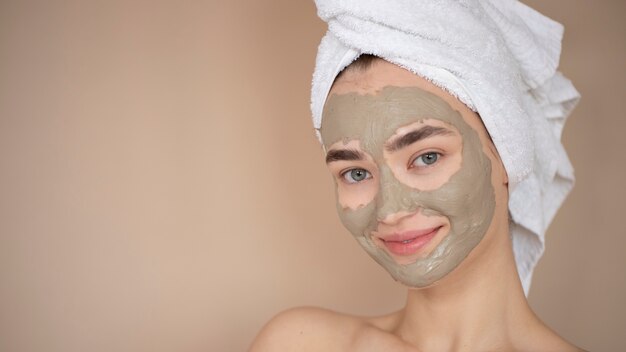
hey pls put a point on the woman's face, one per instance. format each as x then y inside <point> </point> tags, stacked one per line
<point>418,180</point>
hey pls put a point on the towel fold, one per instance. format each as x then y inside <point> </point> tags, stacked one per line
<point>499,58</point>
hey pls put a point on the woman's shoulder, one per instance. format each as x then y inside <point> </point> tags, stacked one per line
<point>311,329</point>
<point>306,329</point>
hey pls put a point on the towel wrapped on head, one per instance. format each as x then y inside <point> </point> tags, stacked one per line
<point>498,57</point>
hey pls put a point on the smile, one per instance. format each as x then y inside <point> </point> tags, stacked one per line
<point>409,242</point>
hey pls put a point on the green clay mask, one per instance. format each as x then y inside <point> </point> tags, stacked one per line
<point>466,199</point>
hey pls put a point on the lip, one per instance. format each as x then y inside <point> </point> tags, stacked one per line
<point>409,242</point>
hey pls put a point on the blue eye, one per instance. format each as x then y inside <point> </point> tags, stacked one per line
<point>426,159</point>
<point>356,175</point>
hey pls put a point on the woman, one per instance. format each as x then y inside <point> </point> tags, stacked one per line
<point>428,161</point>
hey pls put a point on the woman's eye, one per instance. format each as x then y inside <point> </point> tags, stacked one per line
<point>356,175</point>
<point>426,159</point>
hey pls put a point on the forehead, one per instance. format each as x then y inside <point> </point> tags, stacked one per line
<point>363,104</point>
<point>382,74</point>
<point>372,119</point>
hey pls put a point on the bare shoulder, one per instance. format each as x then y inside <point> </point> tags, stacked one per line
<point>307,329</point>
<point>542,338</point>
<point>316,329</point>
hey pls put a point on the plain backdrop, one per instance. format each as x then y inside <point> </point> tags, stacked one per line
<point>161,188</point>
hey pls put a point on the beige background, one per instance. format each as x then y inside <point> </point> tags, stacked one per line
<point>161,188</point>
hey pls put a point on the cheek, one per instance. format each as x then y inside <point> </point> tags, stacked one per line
<point>356,196</point>
<point>468,199</point>
<point>360,221</point>
<point>430,178</point>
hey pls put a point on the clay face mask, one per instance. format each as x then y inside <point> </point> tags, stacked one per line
<point>466,199</point>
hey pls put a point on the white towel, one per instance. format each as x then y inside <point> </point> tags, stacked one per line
<point>499,57</point>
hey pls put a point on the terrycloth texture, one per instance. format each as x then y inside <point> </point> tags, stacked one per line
<point>498,57</point>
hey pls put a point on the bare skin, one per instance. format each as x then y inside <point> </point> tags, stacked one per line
<point>479,306</point>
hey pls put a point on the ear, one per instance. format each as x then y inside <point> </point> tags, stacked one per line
<point>505,175</point>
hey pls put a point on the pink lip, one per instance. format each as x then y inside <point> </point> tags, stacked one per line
<point>409,242</point>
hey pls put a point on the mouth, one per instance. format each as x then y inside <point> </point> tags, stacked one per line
<point>409,242</point>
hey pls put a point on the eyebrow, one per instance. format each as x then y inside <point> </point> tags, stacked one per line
<point>343,154</point>
<point>417,135</point>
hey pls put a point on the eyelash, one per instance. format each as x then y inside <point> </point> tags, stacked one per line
<point>345,174</point>
<point>437,159</point>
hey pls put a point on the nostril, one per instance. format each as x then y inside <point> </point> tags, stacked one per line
<point>395,217</point>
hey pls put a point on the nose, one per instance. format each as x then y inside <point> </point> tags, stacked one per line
<point>392,202</point>
<point>394,218</point>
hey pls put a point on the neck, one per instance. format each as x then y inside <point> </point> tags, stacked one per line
<point>479,306</point>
